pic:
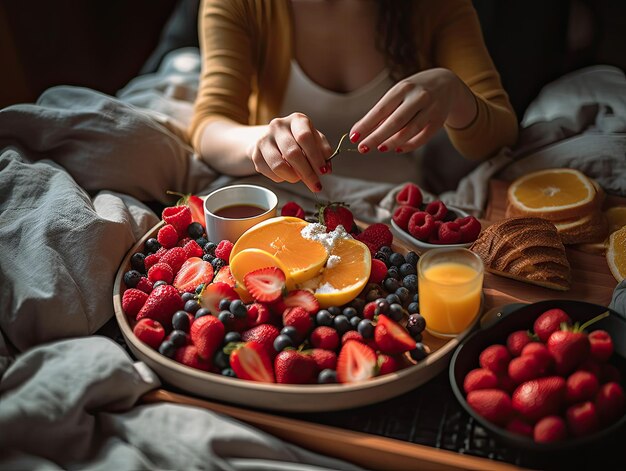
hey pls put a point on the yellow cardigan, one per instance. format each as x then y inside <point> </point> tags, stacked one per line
<point>246,48</point>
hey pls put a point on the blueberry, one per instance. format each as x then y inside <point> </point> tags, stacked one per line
<point>418,337</point>
<point>291,332</point>
<point>396,259</point>
<point>158,283</point>
<point>224,304</point>
<point>152,245</point>
<point>218,263</point>
<point>383,257</point>
<point>341,324</point>
<point>178,338</point>
<point>192,306</point>
<point>391,284</point>
<point>324,317</point>
<point>413,308</point>
<point>354,321</point>
<point>358,304</point>
<point>180,321</point>
<point>229,372</point>
<point>238,308</point>
<point>167,348</point>
<point>137,262</point>
<point>327,376</point>
<point>281,342</point>
<point>412,258</point>
<point>403,294</point>
<point>202,241</point>
<point>195,230</point>
<point>131,278</point>
<point>203,311</point>
<point>187,296</point>
<point>349,312</point>
<point>232,337</point>
<point>208,257</point>
<point>393,272</point>
<point>199,288</point>
<point>419,352</point>
<point>334,310</point>
<point>221,360</point>
<point>393,298</point>
<point>416,297</point>
<point>407,269</point>
<point>366,329</point>
<point>410,282</point>
<point>382,306</point>
<point>396,312</point>
<point>209,248</point>
<point>386,249</point>
<point>226,318</point>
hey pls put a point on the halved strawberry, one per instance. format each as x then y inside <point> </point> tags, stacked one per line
<point>207,334</point>
<point>213,293</point>
<point>356,362</point>
<point>225,276</point>
<point>391,337</point>
<point>265,285</point>
<point>302,298</point>
<point>250,361</point>
<point>258,314</point>
<point>195,204</point>
<point>194,272</point>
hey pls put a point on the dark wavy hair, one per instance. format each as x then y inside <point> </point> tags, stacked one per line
<point>395,38</point>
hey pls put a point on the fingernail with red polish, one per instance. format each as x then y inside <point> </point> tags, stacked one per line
<point>382,148</point>
<point>354,136</point>
<point>323,169</point>
<point>364,148</point>
<point>318,187</point>
<point>398,149</point>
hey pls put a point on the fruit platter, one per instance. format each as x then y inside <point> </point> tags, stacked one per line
<point>299,314</point>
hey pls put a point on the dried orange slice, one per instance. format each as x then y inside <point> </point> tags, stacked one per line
<point>301,259</point>
<point>554,194</point>
<point>616,254</point>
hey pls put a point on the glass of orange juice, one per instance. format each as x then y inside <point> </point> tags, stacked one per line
<point>450,289</point>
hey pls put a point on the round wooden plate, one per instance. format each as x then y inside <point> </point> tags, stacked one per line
<point>282,397</point>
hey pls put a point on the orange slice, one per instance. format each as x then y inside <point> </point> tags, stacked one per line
<point>254,259</point>
<point>616,217</point>
<point>616,254</point>
<point>341,282</point>
<point>281,237</point>
<point>554,194</point>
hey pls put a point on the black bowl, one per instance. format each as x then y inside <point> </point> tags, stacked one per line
<point>496,325</point>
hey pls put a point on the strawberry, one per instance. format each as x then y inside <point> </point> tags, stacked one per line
<point>495,358</point>
<point>213,293</point>
<point>207,334</point>
<point>356,362</point>
<point>377,234</point>
<point>257,313</point>
<point>302,298</point>
<point>480,378</point>
<point>517,340</point>
<point>506,383</point>
<point>450,233</point>
<point>223,249</point>
<point>167,236</point>
<point>610,403</point>
<point>550,429</point>
<point>195,204</point>
<point>402,215</point>
<point>293,367</point>
<point>192,249</point>
<point>179,217</point>
<point>324,359</point>
<point>160,272</point>
<point>351,335</point>
<point>581,386</point>
<point>421,225</point>
<point>161,304</point>
<point>144,285</point>
<point>293,209</point>
<point>174,257</point>
<point>132,301</point>
<point>548,322</point>
<point>391,337</point>
<point>188,355</point>
<point>582,419</point>
<point>601,345</point>
<point>492,404</point>
<point>470,228</point>
<point>250,361</point>
<point>369,310</point>
<point>541,352</point>
<point>324,337</point>
<point>592,367</point>
<point>409,195</point>
<point>437,209</point>
<point>524,368</point>
<point>378,271</point>
<point>265,285</point>
<point>336,214</point>
<point>224,275</point>
<point>540,397</point>
<point>150,332</point>
<point>194,272</point>
<point>520,427</point>
<point>387,364</point>
<point>264,335</point>
<point>300,319</point>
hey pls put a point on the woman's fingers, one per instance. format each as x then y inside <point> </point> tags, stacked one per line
<point>268,161</point>
<point>399,141</point>
<point>296,158</point>
<point>422,138</point>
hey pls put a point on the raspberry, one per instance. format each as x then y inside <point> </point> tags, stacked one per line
<point>434,237</point>
<point>402,214</point>
<point>167,236</point>
<point>437,209</point>
<point>174,257</point>
<point>369,310</point>
<point>470,228</point>
<point>223,249</point>
<point>377,234</point>
<point>161,272</point>
<point>132,301</point>
<point>450,233</point>
<point>370,246</point>
<point>409,195</point>
<point>378,271</point>
<point>293,209</point>
<point>325,337</point>
<point>144,285</point>
<point>183,242</point>
<point>421,225</point>
<point>179,217</point>
<point>151,260</point>
<point>193,249</point>
<point>150,332</point>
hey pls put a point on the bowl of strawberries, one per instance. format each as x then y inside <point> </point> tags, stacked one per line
<point>545,376</point>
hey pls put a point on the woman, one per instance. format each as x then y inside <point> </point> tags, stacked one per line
<point>280,76</point>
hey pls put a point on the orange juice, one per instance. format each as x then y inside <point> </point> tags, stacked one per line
<point>450,292</point>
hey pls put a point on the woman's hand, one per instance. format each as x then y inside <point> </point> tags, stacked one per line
<point>292,150</point>
<point>408,115</point>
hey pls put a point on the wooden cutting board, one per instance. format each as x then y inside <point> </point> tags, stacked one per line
<point>592,280</point>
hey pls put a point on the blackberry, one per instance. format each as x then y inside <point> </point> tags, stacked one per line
<point>407,269</point>
<point>419,352</point>
<point>403,293</point>
<point>192,306</point>
<point>158,283</point>
<point>391,284</point>
<point>209,248</point>
<point>366,329</point>
<point>393,272</point>
<point>131,278</point>
<point>178,338</point>
<point>349,312</point>
<point>410,283</point>
<point>412,258</point>
<point>341,324</point>
<point>180,321</point>
<point>413,308</point>
<point>393,298</point>
<point>396,259</point>
<point>327,376</point>
<point>221,360</point>
<point>208,257</point>
<point>386,249</point>
<point>281,342</point>
<point>229,372</point>
<point>152,245</point>
<point>232,337</point>
<point>415,324</point>
<point>218,263</point>
<point>167,348</point>
<point>203,311</point>
<point>195,230</point>
<point>238,308</point>
<point>187,296</point>
<point>324,317</point>
<point>334,310</point>
<point>395,312</point>
<point>137,262</point>
<point>202,241</point>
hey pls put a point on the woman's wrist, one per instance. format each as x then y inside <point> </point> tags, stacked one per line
<point>464,108</point>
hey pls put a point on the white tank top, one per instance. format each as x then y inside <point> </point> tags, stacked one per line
<point>334,113</point>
